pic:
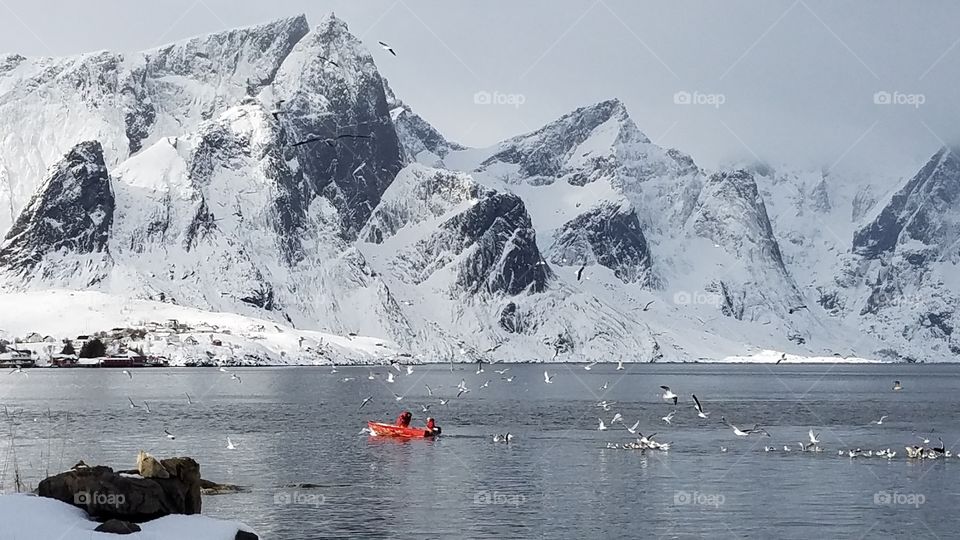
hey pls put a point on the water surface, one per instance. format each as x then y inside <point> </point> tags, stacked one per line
<point>556,479</point>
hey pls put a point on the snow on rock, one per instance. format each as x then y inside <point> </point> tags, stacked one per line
<point>125,101</point>
<point>61,236</point>
<point>28,516</point>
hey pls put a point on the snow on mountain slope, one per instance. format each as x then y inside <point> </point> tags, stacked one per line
<point>125,101</point>
<point>466,253</point>
<point>582,240</point>
<point>908,269</point>
<point>66,314</point>
<point>61,236</point>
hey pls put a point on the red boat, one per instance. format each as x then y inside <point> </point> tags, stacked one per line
<point>379,429</point>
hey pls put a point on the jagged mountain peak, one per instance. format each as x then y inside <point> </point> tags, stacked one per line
<point>61,236</point>
<point>921,215</point>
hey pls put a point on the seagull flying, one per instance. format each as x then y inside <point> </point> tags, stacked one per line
<point>329,61</point>
<point>365,401</point>
<point>669,417</point>
<point>387,48</point>
<point>580,273</point>
<point>390,377</point>
<point>547,378</point>
<point>397,396</point>
<point>589,366</point>
<point>501,371</point>
<point>602,426</point>
<point>230,445</point>
<point>616,418</point>
<point>668,394</point>
<point>814,439</point>
<point>619,365</point>
<point>169,435</point>
<point>127,373</point>
<point>699,408</point>
<point>633,429</point>
<point>880,421</point>
<point>429,391</point>
<point>132,404</point>
<point>235,377</point>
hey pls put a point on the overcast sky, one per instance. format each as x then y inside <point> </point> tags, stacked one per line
<point>777,80</point>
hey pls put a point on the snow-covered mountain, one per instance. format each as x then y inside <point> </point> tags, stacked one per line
<point>171,176</point>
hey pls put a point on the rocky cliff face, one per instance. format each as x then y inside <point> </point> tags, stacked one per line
<point>581,240</point>
<point>62,234</point>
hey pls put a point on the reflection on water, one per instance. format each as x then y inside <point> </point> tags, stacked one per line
<point>302,427</point>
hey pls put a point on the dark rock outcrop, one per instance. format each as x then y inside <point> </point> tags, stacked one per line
<point>117,526</point>
<point>924,211</point>
<point>72,212</point>
<point>106,494</point>
<point>502,253</point>
<point>609,235</point>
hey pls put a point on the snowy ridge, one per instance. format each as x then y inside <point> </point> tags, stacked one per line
<point>170,177</point>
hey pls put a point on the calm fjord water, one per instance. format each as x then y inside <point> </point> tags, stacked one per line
<point>556,479</point>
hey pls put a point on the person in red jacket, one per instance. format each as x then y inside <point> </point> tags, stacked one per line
<point>404,419</point>
<point>432,427</point>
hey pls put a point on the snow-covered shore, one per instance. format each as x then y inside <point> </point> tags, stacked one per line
<point>26,517</point>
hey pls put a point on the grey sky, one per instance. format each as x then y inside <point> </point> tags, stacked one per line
<point>798,78</point>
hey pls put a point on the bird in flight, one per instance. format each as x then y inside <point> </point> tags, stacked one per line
<point>880,421</point>
<point>669,417</point>
<point>547,378</point>
<point>668,394</point>
<point>580,272</point>
<point>387,48</point>
<point>365,401</point>
<point>647,307</point>
<point>329,61</point>
<point>169,435</point>
<point>696,404</point>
